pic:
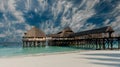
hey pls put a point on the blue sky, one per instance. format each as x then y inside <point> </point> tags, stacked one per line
<point>18,16</point>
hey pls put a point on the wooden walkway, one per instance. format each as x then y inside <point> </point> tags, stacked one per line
<point>93,43</point>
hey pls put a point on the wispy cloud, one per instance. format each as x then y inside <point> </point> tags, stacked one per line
<point>18,16</point>
<point>2,35</point>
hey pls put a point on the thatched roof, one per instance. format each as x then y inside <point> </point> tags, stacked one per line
<point>94,31</point>
<point>53,35</point>
<point>67,29</point>
<point>34,32</point>
<point>64,33</point>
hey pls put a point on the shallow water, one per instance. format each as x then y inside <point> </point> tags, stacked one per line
<point>15,49</point>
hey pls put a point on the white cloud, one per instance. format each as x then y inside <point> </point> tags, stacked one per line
<point>71,15</point>
<point>107,22</point>
<point>48,27</point>
<point>79,18</point>
<point>43,5</point>
<point>89,26</point>
<point>116,24</point>
<point>28,5</point>
<point>1,25</point>
<point>2,35</point>
<point>27,27</point>
<point>9,6</point>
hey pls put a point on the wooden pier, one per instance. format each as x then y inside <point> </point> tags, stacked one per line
<point>99,39</point>
<point>94,43</point>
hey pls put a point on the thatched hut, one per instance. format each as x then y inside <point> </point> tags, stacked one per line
<point>66,32</point>
<point>34,37</point>
<point>62,34</point>
<point>60,37</point>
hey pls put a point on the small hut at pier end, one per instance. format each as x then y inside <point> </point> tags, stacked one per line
<point>66,32</point>
<point>61,37</point>
<point>34,38</point>
<point>62,34</point>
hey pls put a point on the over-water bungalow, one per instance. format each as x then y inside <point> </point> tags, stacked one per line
<point>34,37</point>
<point>58,38</point>
<point>64,34</point>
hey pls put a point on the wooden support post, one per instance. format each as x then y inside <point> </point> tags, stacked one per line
<point>118,43</point>
<point>23,45</point>
<point>104,44</point>
<point>29,43</point>
<point>99,44</point>
<point>26,43</point>
<point>96,44</point>
<point>93,43</point>
<point>108,42</point>
<point>111,42</point>
<point>36,43</point>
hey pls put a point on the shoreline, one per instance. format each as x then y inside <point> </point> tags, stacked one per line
<point>45,54</point>
<point>93,58</point>
<point>54,53</point>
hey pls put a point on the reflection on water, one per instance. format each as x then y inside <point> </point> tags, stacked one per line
<point>46,46</point>
<point>26,51</point>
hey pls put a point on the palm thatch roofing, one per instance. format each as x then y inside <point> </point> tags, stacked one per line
<point>64,33</point>
<point>35,32</point>
<point>106,29</point>
<point>54,35</point>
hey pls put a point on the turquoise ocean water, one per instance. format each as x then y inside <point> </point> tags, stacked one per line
<point>15,49</point>
<point>8,49</point>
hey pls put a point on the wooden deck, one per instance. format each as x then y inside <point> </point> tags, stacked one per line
<point>93,43</point>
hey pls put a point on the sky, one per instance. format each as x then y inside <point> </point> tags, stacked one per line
<point>51,16</point>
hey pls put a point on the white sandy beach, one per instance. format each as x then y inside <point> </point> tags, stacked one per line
<point>79,59</point>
